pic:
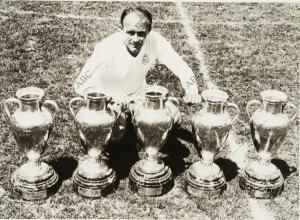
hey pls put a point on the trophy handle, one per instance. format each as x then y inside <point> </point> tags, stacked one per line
<point>116,111</point>
<point>293,107</point>
<point>173,99</point>
<point>192,107</point>
<point>134,100</point>
<point>52,103</point>
<point>6,108</point>
<point>71,102</point>
<point>82,138</point>
<point>232,105</point>
<point>251,103</point>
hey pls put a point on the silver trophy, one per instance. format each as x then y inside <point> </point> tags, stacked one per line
<point>94,121</point>
<point>211,126</point>
<point>153,119</point>
<point>31,124</point>
<point>269,125</point>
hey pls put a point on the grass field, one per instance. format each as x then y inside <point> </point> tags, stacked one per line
<point>247,48</point>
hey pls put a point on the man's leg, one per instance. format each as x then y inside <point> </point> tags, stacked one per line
<point>119,127</point>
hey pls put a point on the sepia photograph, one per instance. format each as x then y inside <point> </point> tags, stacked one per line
<point>149,110</point>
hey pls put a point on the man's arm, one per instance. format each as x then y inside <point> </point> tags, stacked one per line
<point>168,56</point>
<point>88,76</point>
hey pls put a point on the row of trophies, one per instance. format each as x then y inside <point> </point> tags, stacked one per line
<point>32,123</point>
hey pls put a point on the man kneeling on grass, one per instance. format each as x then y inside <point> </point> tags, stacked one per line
<point>120,62</point>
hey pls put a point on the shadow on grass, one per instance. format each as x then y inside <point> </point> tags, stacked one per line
<point>64,167</point>
<point>285,169</point>
<point>176,151</point>
<point>124,154</point>
<point>229,168</point>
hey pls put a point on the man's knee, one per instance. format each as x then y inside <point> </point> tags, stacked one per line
<point>174,112</point>
<point>119,128</point>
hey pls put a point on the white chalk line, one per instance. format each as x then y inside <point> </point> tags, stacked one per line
<point>259,211</point>
<point>194,43</point>
<point>116,19</point>
<point>238,153</point>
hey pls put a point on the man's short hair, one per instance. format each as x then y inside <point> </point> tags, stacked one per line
<point>143,11</point>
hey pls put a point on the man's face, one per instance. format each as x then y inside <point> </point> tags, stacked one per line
<point>135,29</point>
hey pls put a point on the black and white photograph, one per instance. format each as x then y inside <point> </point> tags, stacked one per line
<point>149,109</point>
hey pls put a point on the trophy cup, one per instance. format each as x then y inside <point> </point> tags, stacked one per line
<point>31,124</point>
<point>268,126</point>
<point>211,126</point>
<point>152,119</point>
<point>94,121</point>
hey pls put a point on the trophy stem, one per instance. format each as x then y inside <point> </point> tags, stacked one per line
<point>151,164</point>
<point>205,178</point>
<point>34,180</point>
<point>93,178</point>
<point>152,159</point>
<point>94,155</point>
<point>150,176</point>
<point>34,159</point>
<point>264,158</point>
<point>262,179</point>
<point>98,162</point>
<point>207,157</point>
<point>95,162</point>
<point>35,163</point>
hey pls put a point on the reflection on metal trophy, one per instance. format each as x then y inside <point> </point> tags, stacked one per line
<point>269,125</point>
<point>94,121</point>
<point>153,120</point>
<point>31,125</point>
<point>211,126</point>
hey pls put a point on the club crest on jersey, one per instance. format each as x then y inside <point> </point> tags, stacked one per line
<point>145,59</point>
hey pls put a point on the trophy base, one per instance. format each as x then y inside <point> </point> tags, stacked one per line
<point>205,180</point>
<point>34,187</point>
<point>95,187</point>
<point>262,181</point>
<point>149,183</point>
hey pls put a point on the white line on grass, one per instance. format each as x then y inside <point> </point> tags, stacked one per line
<point>259,211</point>
<point>238,152</point>
<point>194,43</point>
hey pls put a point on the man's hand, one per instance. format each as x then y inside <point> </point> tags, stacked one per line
<point>120,100</point>
<point>193,98</point>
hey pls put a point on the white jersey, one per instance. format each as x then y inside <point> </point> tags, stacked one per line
<point>114,70</point>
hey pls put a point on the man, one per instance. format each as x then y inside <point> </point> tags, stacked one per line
<point>120,62</point>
